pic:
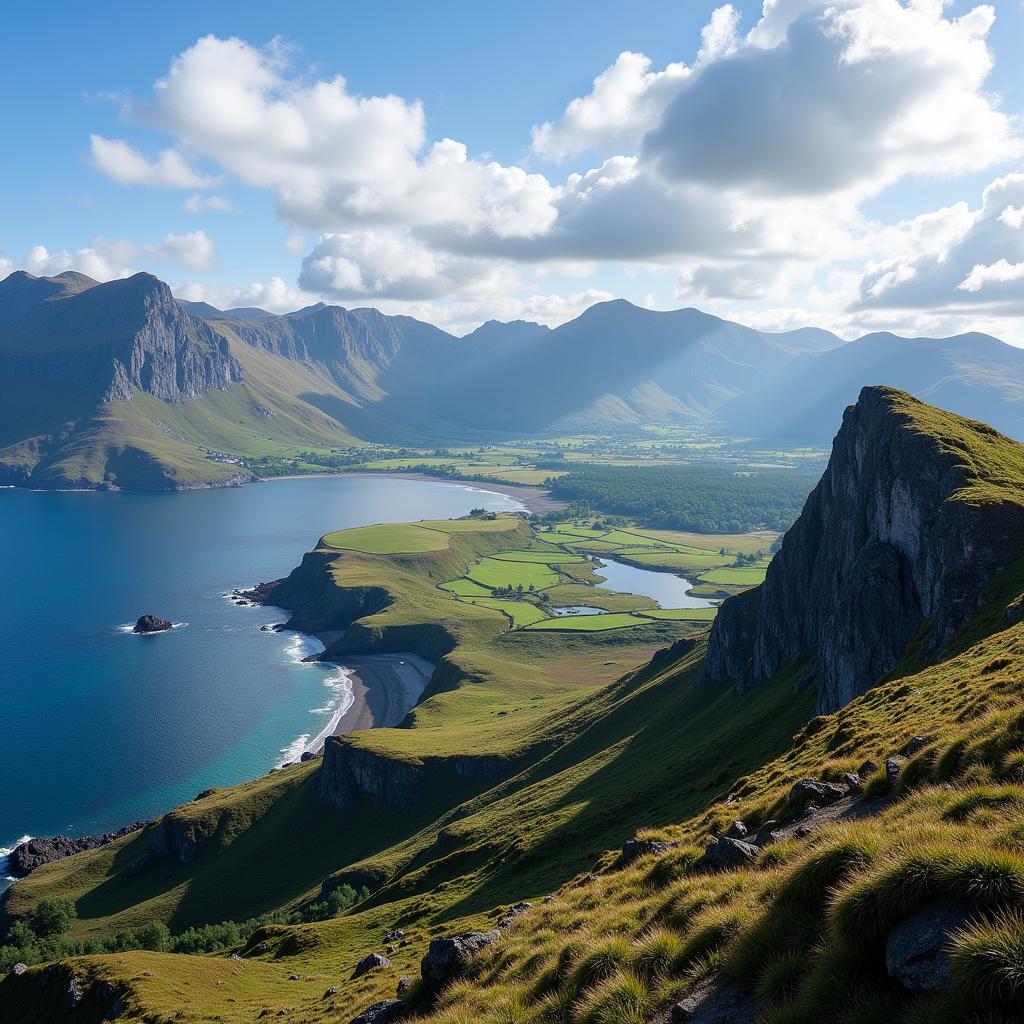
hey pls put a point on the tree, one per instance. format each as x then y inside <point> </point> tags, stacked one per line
<point>155,936</point>
<point>53,917</point>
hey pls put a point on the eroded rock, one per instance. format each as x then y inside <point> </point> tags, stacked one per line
<point>448,956</point>
<point>917,949</point>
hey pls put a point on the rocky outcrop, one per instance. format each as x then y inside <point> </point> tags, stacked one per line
<point>351,775</point>
<point>917,949</point>
<point>151,624</point>
<point>448,957</point>
<point>886,546</point>
<point>36,852</point>
<point>370,962</point>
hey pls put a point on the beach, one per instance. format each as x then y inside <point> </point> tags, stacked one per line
<point>385,687</point>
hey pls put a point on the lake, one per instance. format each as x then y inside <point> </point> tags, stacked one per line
<point>669,590</point>
<point>101,727</point>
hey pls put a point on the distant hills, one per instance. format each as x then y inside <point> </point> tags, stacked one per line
<point>120,384</point>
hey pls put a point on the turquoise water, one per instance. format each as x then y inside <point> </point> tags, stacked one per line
<point>100,727</point>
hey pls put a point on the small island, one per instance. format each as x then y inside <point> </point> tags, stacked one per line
<point>151,624</point>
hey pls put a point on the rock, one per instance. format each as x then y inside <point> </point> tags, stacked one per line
<point>74,993</point>
<point>852,782</point>
<point>714,1000</point>
<point>737,830</point>
<point>808,791</point>
<point>916,950</point>
<point>867,769</point>
<point>882,553</point>
<point>151,624</point>
<point>332,991</point>
<point>893,767</point>
<point>634,849</point>
<point>448,957</point>
<point>548,899</point>
<point>293,977</point>
<point>309,755</point>
<point>370,962</point>
<point>36,852</point>
<point>724,853</point>
<point>915,744</point>
<point>766,833</point>
<point>804,831</point>
<point>404,986</point>
<point>389,950</point>
<point>382,1012</point>
<point>260,948</point>
<point>19,969</point>
<point>394,936</point>
<point>513,912</point>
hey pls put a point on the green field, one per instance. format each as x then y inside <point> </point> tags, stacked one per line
<point>544,557</point>
<point>465,588</point>
<point>388,539</point>
<point>682,614</point>
<point>522,613</point>
<point>493,572</point>
<point>742,577</point>
<point>588,623</point>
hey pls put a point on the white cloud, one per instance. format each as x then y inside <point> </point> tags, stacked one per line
<point>964,258</point>
<point>106,259</point>
<point>273,295</point>
<point>720,36</point>
<point>852,96</point>
<point>126,165</point>
<point>626,102</point>
<point>197,203</point>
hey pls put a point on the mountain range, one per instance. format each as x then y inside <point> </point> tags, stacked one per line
<point>120,384</point>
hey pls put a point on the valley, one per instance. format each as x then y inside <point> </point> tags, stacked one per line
<point>537,756</point>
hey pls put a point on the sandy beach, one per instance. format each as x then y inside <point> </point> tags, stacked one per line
<point>385,687</point>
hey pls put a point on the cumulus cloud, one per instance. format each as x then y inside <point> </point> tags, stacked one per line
<point>126,165</point>
<point>107,259</point>
<point>962,257</point>
<point>626,102</point>
<point>273,295</point>
<point>853,96</point>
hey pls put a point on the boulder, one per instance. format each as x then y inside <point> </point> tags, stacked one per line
<point>815,791</point>
<point>369,962</point>
<point>404,987</point>
<point>867,769</point>
<point>917,949</point>
<point>332,991</point>
<point>715,1000</point>
<point>19,969</point>
<point>394,936</point>
<point>448,956</point>
<point>513,912</point>
<point>852,782</point>
<point>634,849</point>
<point>737,830</point>
<point>723,853</point>
<point>893,767</point>
<point>151,624</point>
<point>915,744</point>
<point>384,1011</point>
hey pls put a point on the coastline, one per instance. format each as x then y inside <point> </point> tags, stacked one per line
<point>533,499</point>
<point>385,687</point>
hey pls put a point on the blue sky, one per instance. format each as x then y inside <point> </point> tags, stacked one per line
<point>797,163</point>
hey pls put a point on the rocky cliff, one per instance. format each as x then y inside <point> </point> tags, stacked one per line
<point>110,339</point>
<point>916,512</point>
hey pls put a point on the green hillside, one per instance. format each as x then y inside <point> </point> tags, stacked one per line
<point>887,887</point>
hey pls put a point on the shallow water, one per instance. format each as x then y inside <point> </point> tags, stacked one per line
<point>669,590</point>
<point>100,726</point>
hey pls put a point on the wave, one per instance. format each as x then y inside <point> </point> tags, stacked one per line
<point>5,852</point>
<point>129,627</point>
<point>341,697</point>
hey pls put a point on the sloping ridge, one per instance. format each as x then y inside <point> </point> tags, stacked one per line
<point>914,515</point>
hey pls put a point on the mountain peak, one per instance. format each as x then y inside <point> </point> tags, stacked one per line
<point>909,522</point>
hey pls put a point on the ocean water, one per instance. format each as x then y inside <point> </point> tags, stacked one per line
<point>99,727</point>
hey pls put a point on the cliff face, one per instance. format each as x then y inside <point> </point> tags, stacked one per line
<point>110,339</point>
<point>917,510</point>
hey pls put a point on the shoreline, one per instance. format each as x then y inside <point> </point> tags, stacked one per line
<point>533,499</point>
<point>385,688</point>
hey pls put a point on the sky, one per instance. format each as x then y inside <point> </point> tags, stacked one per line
<point>855,164</point>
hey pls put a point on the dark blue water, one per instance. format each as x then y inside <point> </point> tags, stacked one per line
<point>99,727</point>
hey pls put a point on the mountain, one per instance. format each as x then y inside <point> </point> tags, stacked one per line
<point>971,374</point>
<point>912,518</point>
<point>121,385</point>
<point>539,842</point>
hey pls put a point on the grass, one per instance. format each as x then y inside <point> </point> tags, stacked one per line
<point>683,614</point>
<point>494,572</point>
<point>521,613</point>
<point>745,577</point>
<point>545,557</point>
<point>589,623</point>
<point>466,588</point>
<point>388,539</point>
